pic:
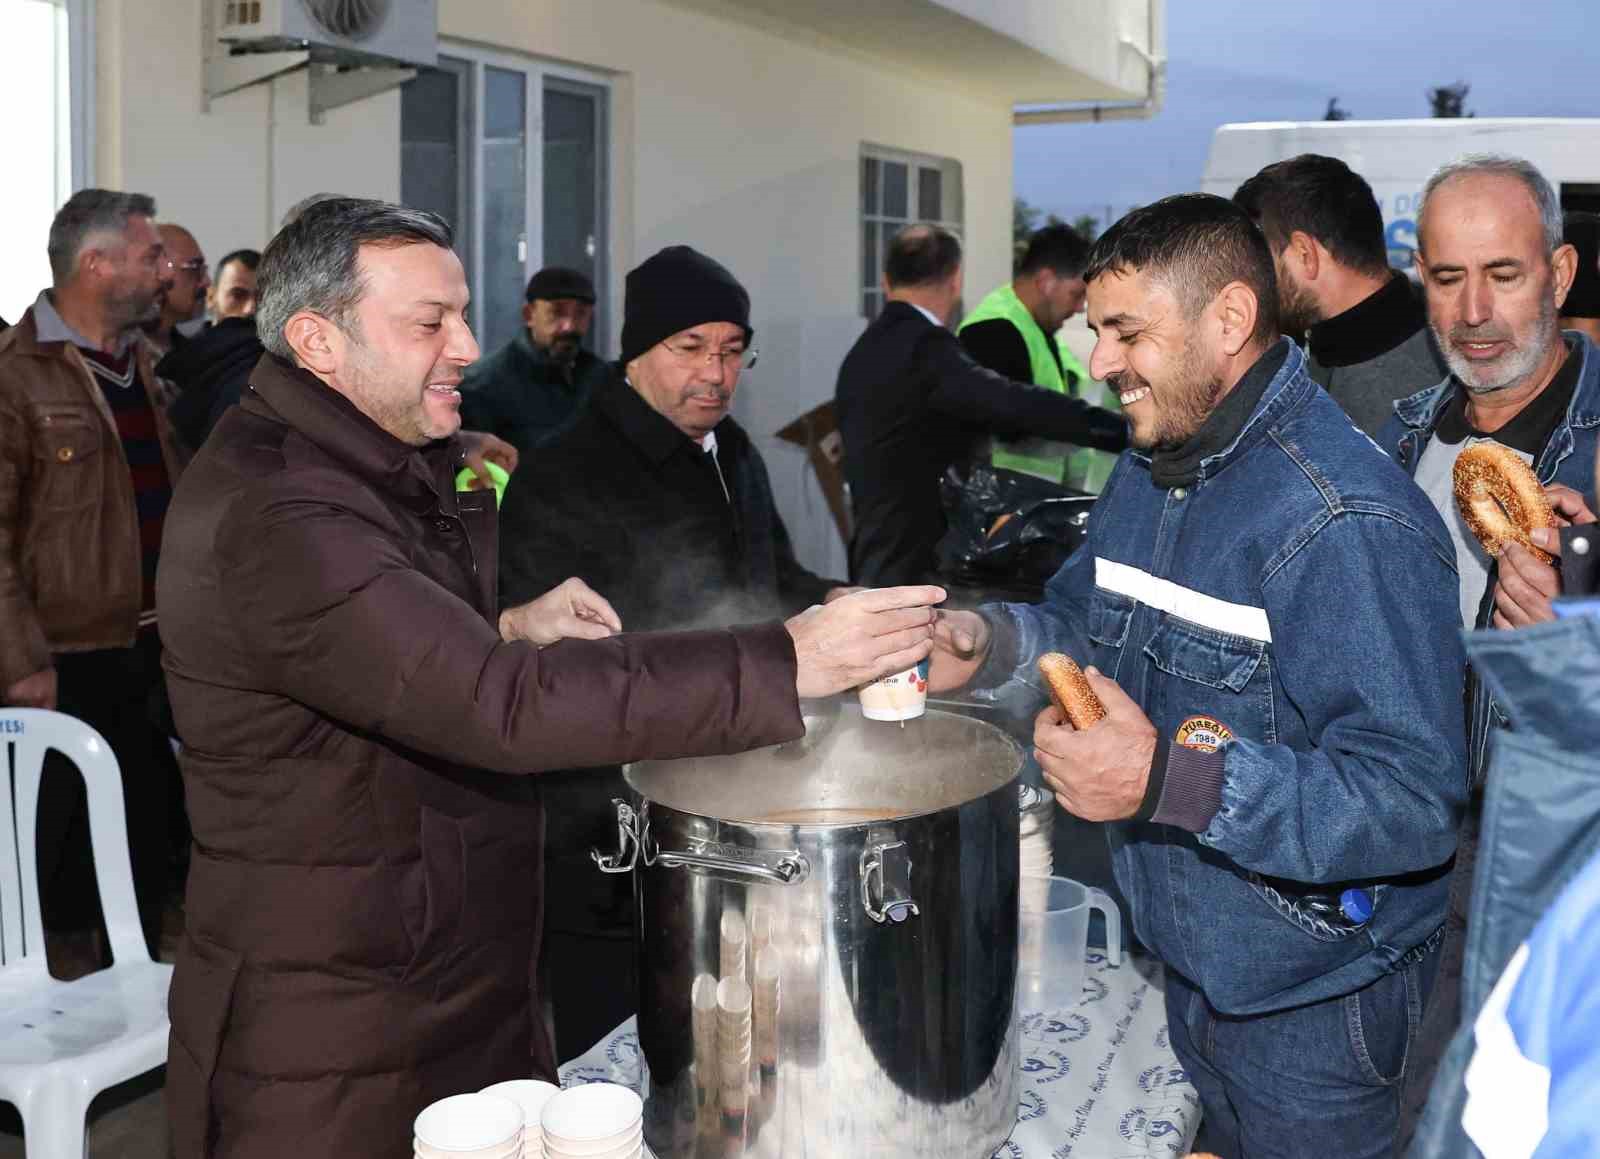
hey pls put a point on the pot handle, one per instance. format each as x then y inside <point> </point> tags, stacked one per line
<point>886,882</point>
<point>781,867</point>
<point>628,842</point>
<point>776,866</point>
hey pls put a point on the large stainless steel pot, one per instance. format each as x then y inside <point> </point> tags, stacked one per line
<point>871,872</point>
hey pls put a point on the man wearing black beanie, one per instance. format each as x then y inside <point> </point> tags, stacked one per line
<point>661,502</point>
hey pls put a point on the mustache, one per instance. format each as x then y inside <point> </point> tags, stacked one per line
<point>1461,332</point>
<point>1124,381</point>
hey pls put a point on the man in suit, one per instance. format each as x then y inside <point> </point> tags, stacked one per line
<point>911,401</point>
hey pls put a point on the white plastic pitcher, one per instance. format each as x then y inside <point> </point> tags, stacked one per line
<point>1053,940</point>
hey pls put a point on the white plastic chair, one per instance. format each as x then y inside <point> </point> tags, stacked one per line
<point>62,1043</point>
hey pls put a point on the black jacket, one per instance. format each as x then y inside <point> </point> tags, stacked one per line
<point>630,504</point>
<point>210,372</point>
<point>523,395</point>
<point>911,402</point>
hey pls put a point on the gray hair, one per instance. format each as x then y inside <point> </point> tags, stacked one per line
<point>87,213</point>
<point>294,211</point>
<point>312,262</point>
<point>1501,165</point>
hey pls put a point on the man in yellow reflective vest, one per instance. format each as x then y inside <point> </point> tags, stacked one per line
<point>1013,332</point>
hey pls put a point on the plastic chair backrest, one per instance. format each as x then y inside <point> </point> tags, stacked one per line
<point>28,733</point>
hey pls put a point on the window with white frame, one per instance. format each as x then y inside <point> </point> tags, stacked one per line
<point>897,190</point>
<point>512,151</point>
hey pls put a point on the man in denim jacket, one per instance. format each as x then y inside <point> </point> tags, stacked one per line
<point>1496,271</point>
<point>1273,606</point>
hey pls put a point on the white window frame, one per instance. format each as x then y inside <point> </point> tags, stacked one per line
<point>81,74</point>
<point>871,296</point>
<point>535,70</point>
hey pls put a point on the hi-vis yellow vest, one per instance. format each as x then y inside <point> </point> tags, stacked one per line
<point>1079,467</point>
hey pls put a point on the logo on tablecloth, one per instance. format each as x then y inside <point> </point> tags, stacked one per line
<point>1094,990</point>
<point>623,1050</point>
<point>1162,1038</point>
<point>1031,1106</point>
<point>1160,1123</point>
<point>1156,1077</point>
<point>1047,1066</point>
<point>576,1076</point>
<point>1059,1029</point>
<point>1008,1150</point>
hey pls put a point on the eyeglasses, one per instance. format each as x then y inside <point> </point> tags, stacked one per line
<point>734,360</point>
<point>192,266</point>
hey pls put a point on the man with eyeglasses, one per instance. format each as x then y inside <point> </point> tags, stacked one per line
<point>661,503</point>
<point>183,312</point>
<point>88,462</point>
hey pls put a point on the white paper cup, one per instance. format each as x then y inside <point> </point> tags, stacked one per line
<point>512,1149</point>
<point>469,1123</point>
<point>624,1143</point>
<point>531,1095</point>
<point>591,1113</point>
<point>901,696</point>
<point>628,1150</point>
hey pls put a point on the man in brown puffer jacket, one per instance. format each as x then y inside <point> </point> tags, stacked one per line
<point>364,895</point>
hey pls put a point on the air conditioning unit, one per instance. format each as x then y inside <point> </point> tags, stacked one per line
<point>342,32</point>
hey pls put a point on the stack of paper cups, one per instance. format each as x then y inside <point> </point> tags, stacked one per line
<point>735,939</point>
<point>765,1003</point>
<point>531,1095</point>
<point>1037,862</point>
<point>480,1126</point>
<point>733,1052</point>
<point>760,922</point>
<point>594,1121</point>
<point>703,1007</point>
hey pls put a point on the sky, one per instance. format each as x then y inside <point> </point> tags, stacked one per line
<point>1272,60</point>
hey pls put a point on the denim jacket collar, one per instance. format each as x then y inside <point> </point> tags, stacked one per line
<point>1286,391</point>
<point>1420,412</point>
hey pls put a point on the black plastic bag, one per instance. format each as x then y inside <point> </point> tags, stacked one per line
<point>1008,530</point>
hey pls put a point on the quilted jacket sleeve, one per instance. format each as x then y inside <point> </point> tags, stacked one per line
<point>326,595</point>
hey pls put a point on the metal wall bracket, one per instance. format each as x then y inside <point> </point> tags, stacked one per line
<point>332,86</point>
<point>226,73</point>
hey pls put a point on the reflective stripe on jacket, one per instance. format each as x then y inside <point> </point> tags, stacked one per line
<point>1301,595</point>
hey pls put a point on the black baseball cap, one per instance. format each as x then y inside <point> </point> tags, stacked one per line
<point>554,282</point>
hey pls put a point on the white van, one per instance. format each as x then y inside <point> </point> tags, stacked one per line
<point>1396,158</point>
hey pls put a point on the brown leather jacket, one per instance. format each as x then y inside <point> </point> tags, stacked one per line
<point>69,536</point>
<point>366,888</point>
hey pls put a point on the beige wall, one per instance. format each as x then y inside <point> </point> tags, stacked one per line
<point>734,139</point>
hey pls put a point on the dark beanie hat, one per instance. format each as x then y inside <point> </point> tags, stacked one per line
<point>676,289</point>
<point>555,282</point>
<point>1582,232</point>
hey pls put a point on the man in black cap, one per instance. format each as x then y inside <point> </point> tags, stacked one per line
<point>661,502</point>
<point>532,388</point>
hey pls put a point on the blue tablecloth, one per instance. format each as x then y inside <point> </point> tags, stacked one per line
<point>1098,1080</point>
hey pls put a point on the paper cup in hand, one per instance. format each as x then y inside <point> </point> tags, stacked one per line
<point>901,696</point>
